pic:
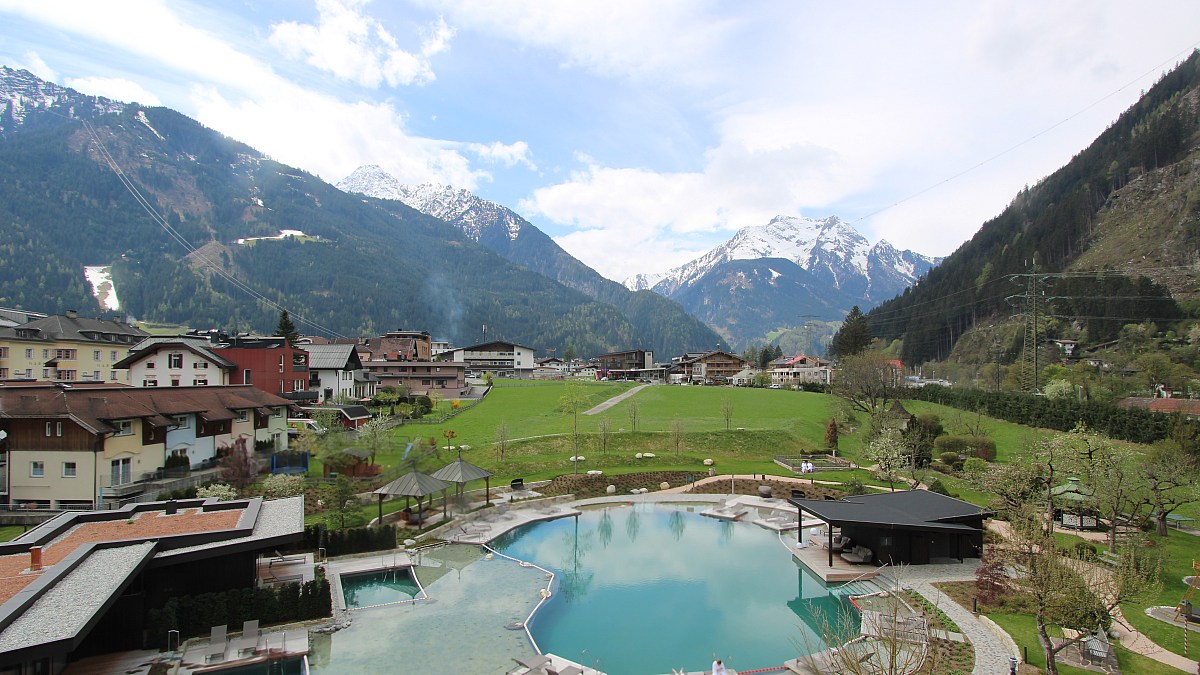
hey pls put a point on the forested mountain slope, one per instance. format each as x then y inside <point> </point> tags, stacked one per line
<point>1083,207</point>
<point>361,269</point>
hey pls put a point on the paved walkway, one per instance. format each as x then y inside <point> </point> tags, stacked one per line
<point>615,400</point>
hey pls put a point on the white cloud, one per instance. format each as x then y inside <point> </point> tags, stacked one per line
<point>508,154</point>
<point>117,88</point>
<point>34,64</point>
<point>610,37</point>
<point>356,47</point>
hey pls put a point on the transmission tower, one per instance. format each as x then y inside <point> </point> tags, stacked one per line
<point>1032,303</point>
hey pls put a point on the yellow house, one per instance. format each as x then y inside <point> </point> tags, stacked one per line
<point>66,348</point>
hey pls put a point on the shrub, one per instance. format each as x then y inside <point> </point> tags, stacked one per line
<point>949,458</point>
<point>982,447</point>
<point>219,491</point>
<point>855,486</point>
<point>282,486</point>
<point>937,486</point>
<point>974,465</point>
<point>1085,550</point>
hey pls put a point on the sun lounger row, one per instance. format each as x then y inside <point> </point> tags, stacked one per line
<point>542,664</point>
<point>219,643</point>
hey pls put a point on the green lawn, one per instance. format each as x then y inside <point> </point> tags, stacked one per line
<point>1023,629</point>
<point>10,532</point>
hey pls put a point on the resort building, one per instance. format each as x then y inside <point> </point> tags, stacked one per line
<point>73,447</point>
<point>503,359</point>
<point>65,348</point>
<point>83,583</point>
<point>176,362</point>
<point>790,371</point>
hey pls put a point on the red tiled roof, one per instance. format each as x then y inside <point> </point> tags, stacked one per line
<point>141,526</point>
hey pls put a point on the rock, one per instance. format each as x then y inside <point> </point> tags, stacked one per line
<point>708,462</point>
<point>638,456</point>
<point>611,489</point>
<point>664,485</point>
<point>648,455</point>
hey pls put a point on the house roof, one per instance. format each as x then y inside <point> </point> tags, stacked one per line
<point>70,327</point>
<point>904,510</point>
<point>488,346</point>
<point>152,345</point>
<point>1163,405</point>
<point>94,408</point>
<point>333,357</point>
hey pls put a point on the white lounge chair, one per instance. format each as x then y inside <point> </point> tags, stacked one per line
<point>248,642</point>
<point>217,643</point>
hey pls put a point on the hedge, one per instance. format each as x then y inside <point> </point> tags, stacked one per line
<point>194,615</point>
<point>1137,425</point>
<point>350,540</point>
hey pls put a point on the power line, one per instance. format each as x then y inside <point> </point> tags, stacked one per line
<point>162,222</point>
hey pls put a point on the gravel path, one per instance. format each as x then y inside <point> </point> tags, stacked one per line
<point>993,647</point>
<point>615,400</point>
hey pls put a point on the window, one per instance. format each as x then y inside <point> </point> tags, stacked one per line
<point>150,365</point>
<point>53,429</point>
<point>200,364</point>
<point>174,381</point>
<point>69,470</point>
<point>37,469</point>
<point>3,373</point>
<point>281,363</point>
<point>112,355</point>
<point>112,375</point>
<point>175,361</point>
<point>45,373</point>
<point>95,374</point>
<point>97,355</point>
<point>29,353</point>
<point>242,416</point>
<point>149,383</point>
<point>199,383</point>
<point>66,375</point>
<point>3,352</point>
<point>246,376</point>
<point>65,354</point>
<point>45,353</point>
<point>123,427</point>
<point>297,385</point>
<point>121,471</point>
<point>182,421</point>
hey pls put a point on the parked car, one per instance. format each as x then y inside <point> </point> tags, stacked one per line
<point>299,424</point>
<point>773,386</point>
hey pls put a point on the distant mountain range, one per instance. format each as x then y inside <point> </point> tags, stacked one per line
<point>776,275</point>
<point>663,325</point>
<point>214,257</point>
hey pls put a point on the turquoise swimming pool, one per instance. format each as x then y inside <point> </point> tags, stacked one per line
<point>651,587</point>
<point>638,589</point>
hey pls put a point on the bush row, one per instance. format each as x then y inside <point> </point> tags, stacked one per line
<point>194,615</point>
<point>351,540</point>
<point>1129,424</point>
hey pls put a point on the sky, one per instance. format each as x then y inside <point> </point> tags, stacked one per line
<point>641,134</point>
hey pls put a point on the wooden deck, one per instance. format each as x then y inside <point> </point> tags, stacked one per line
<point>817,560</point>
<point>296,569</point>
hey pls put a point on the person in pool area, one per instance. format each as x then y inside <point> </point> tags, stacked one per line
<point>718,667</point>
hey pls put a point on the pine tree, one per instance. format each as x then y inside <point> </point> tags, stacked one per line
<point>853,337</point>
<point>286,328</point>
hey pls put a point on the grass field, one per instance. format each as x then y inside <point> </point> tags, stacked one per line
<point>1023,630</point>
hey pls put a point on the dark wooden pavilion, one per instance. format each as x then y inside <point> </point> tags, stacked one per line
<point>911,527</point>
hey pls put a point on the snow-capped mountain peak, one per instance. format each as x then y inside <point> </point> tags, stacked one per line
<point>829,249</point>
<point>22,93</point>
<point>473,215</point>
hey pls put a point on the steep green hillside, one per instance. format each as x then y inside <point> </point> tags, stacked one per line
<point>1055,223</point>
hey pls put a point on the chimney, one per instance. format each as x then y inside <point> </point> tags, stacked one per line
<point>172,507</point>
<point>35,558</point>
<point>72,314</point>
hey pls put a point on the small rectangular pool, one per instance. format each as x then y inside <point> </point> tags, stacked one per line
<point>379,587</point>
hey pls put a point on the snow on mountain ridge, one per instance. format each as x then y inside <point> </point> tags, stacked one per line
<point>22,92</point>
<point>829,247</point>
<point>458,207</point>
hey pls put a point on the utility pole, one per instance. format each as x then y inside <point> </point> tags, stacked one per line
<point>1033,300</point>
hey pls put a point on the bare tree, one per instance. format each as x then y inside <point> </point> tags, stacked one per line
<point>867,381</point>
<point>502,438</point>
<point>634,414</point>
<point>572,402</point>
<point>1170,475</point>
<point>603,432</point>
<point>1067,591</point>
<point>678,437</point>
<point>727,411</point>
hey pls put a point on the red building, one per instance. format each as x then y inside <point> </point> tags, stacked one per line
<point>270,364</point>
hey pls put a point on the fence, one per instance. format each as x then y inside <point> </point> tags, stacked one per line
<point>818,462</point>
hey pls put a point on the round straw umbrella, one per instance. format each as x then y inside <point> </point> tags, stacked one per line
<point>412,484</point>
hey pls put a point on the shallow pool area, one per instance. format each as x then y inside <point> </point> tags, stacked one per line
<point>379,587</point>
<point>637,588</point>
